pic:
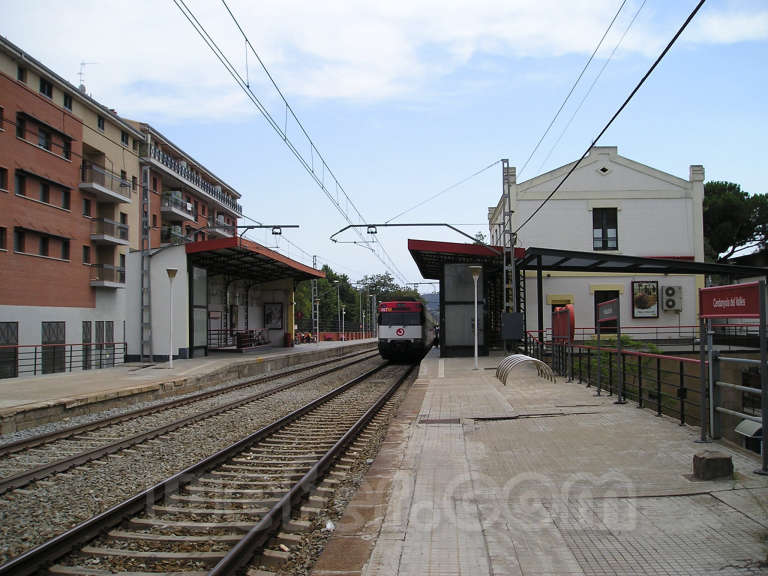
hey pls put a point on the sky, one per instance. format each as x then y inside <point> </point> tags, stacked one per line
<point>403,99</point>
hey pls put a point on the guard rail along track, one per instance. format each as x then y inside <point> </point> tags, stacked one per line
<point>219,513</point>
<point>29,460</point>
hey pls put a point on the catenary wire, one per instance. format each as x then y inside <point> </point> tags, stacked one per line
<point>570,92</point>
<point>443,191</point>
<point>313,149</point>
<point>616,114</point>
<point>586,95</point>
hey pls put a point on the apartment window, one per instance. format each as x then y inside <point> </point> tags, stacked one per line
<point>21,127</point>
<point>100,122</point>
<point>20,184</point>
<point>123,176</point>
<point>154,220</point>
<point>195,210</point>
<point>67,101</point>
<point>2,239</point>
<point>46,88</point>
<point>86,207</point>
<point>44,246</point>
<point>134,183</point>
<point>21,74</point>
<point>18,240</point>
<point>154,183</point>
<point>65,199</point>
<point>2,117</point>
<point>65,249</point>
<point>4,179</point>
<point>66,149</point>
<point>203,209</point>
<point>43,139</point>
<point>124,138</point>
<point>45,192</point>
<point>135,145</point>
<point>86,254</point>
<point>604,229</point>
<point>123,218</point>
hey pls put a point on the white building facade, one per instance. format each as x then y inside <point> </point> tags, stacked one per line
<point>612,205</point>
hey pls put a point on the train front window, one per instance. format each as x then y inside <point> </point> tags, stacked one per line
<point>400,319</point>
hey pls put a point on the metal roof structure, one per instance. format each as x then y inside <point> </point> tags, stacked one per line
<point>430,256</point>
<point>242,258</point>
<point>572,261</point>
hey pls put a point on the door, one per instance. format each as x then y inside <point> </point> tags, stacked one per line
<point>53,347</point>
<point>9,353</point>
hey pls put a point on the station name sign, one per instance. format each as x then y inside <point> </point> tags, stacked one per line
<point>734,301</point>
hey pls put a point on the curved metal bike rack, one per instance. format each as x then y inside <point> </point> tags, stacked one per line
<point>515,360</point>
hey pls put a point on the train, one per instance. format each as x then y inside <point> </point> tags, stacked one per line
<point>406,330</point>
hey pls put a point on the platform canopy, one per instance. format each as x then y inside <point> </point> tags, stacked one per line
<point>430,256</point>
<point>241,258</point>
<point>571,261</point>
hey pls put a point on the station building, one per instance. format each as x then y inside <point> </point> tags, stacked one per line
<point>611,206</point>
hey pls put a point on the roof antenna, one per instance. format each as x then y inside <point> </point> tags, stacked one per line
<point>81,74</point>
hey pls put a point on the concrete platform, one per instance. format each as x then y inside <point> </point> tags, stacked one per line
<point>562,483</point>
<point>33,400</point>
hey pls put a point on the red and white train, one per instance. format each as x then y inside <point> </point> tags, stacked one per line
<point>406,330</point>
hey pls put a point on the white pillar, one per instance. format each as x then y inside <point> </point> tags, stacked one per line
<point>475,273</point>
<point>171,275</point>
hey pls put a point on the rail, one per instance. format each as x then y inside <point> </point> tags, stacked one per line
<point>34,359</point>
<point>107,227</point>
<point>107,273</point>
<point>33,560</point>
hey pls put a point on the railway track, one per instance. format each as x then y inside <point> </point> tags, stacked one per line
<point>216,515</point>
<point>36,458</point>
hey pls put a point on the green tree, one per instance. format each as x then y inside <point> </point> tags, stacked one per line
<point>734,221</point>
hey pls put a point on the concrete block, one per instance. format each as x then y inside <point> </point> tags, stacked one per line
<point>710,464</point>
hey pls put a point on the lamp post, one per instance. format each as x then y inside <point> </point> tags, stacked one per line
<point>338,304</point>
<point>475,274</point>
<point>171,275</point>
<point>343,317</point>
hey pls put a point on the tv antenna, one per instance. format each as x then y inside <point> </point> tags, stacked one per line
<point>81,74</point>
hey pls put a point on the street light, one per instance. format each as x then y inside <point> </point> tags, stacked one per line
<point>338,304</point>
<point>343,317</point>
<point>171,275</point>
<point>475,274</point>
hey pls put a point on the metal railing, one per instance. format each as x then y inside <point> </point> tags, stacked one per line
<point>109,227</point>
<point>35,359</point>
<point>171,235</point>
<point>669,385</point>
<point>90,173</point>
<point>185,172</point>
<point>170,201</point>
<point>107,273</point>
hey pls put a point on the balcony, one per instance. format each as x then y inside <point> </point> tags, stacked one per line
<point>106,231</point>
<point>219,228</point>
<point>107,276</point>
<point>107,187</point>
<point>175,209</point>
<point>171,235</point>
<point>190,177</point>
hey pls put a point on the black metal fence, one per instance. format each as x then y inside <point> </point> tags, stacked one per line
<point>31,360</point>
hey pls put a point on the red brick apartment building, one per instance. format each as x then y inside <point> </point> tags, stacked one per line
<point>68,179</point>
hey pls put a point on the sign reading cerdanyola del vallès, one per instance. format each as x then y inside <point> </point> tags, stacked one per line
<point>734,301</point>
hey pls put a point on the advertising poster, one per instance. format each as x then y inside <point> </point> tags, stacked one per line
<point>645,299</point>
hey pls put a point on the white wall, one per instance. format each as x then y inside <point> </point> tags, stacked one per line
<point>171,257</point>
<point>584,302</point>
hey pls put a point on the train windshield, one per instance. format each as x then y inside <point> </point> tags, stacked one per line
<point>400,319</point>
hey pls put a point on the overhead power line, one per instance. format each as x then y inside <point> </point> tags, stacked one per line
<point>321,174</point>
<point>444,190</point>
<point>337,196</point>
<point>616,114</point>
<point>557,114</point>
<point>586,95</point>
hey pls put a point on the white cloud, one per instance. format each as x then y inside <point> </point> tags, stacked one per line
<point>152,64</point>
<point>730,28</point>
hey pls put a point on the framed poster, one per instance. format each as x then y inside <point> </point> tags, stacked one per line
<point>273,316</point>
<point>645,299</point>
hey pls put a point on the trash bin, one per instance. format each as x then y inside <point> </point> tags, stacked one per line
<point>288,341</point>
